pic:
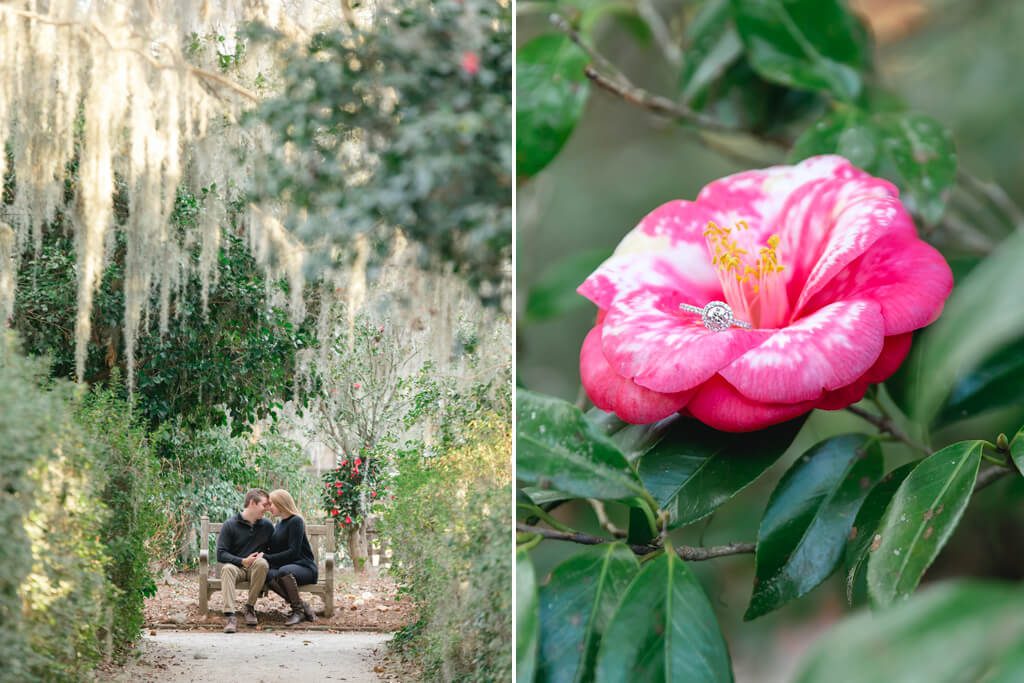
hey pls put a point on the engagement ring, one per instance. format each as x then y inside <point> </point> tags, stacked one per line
<point>716,316</point>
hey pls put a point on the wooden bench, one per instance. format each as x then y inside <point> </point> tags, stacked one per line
<point>321,539</point>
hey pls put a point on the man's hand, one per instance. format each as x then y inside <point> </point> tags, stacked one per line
<point>247,561</point>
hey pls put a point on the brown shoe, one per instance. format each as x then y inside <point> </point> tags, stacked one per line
<point>232,624</point>
<point>250,615</point>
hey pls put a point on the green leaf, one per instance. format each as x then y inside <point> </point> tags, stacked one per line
<point>1017,450</point>
<point>808,517</point>
<point>551,91</point>
<point>996,383</point>
<point>712,46</point>
<point>554,294</point>
<point>914,151</point>
<point>693,469</point>
<point>805,44</point>
<point>576,607</point>
<point>866,524</point>
<point>920,519</point>
<point>556,447</point>
<point>663,630</point>
<point>951,633</point>
<point>982,315</point>
<point>527,623</point>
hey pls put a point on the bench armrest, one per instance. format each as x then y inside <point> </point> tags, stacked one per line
<point>204,558</point>
<point>329,563</point>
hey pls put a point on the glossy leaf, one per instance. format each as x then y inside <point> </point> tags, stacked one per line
<point>693,469</point>
<point>808,518</point>
<point>956,632</point>
<point>712,46</point>
<point>982,315</point>
<point>554,293</point>
<point>1017,450</point>
<point>527,620</point>
<point>556,447</point>
<point>663,630</point>
<point>866,524</point>
<point>920,519</point>
<point>914,151</point>
<point>805,44</point>
<point>551,91</point>
<point>996,383</point>
<point>576,607</point>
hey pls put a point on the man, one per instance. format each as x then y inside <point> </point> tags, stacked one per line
<point>240,547</point>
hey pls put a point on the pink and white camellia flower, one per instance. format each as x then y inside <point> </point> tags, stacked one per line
<point>825,277</point>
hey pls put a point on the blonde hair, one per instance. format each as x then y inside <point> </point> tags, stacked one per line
<point>284,502</point>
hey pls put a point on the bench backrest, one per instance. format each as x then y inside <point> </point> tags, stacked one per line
<point>321,539</point>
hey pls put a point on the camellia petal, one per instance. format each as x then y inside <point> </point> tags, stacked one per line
<point>820,259</point>
<point>647,338</point>
<point>617,394</point>
<point>824,351</point>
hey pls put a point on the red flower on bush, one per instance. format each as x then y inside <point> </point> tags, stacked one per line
<point>776,292</point>
<point>334,512</point>
<point>471,65</point>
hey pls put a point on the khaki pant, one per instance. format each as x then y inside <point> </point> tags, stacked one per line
<point>231,574</point>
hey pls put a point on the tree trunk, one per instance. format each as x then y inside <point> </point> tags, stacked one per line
<point>357,548</point>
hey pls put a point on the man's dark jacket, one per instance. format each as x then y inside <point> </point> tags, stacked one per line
<point>238,539</point>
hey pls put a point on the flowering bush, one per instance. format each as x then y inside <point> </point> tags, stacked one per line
<point>352,487</point>
<point>823,263</point>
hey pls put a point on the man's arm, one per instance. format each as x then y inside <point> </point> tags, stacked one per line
<point>224,541</point>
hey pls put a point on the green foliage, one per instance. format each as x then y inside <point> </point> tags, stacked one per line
<point>352,487</point>
<point>76,513</point>
<point>448,528</point>
<point>130,484</point>
<point>237,359</point>
<point>808,517</point>
<point>964,631</point>
<point>552,93</point>
<point>406,122</point>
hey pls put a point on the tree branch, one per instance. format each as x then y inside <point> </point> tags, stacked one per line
<point>990,476</point>
<point>685,552</point>
<point>886,424</point>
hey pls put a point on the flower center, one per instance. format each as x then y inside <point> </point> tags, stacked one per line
<point>751,285</point>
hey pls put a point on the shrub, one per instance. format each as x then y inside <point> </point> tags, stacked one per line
<point>448,527</point>
<point>72,525</point>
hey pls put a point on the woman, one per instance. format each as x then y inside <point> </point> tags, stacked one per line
<point>290,557</point>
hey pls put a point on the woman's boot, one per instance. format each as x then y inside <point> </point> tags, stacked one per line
<point>275,586</point>
<point>291,590</point>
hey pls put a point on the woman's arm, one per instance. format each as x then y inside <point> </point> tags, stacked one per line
<point>293,551</point>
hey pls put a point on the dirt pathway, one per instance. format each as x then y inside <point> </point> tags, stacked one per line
<point>269,656</point>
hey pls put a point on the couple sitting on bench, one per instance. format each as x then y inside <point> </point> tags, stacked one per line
<point>279,557</point>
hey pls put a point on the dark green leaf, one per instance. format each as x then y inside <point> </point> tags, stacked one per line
<point>947,634</point>
<point>712,46</point>
<point>556,447</point>
<point>663,630</point>
<point>996,383</point>
<point>808,517</point>
<point>1017,450</point>
<point>920,519</point>
<point>982,315</point>
<point>912,150</point>
<point>866,524</point>
<point>551,91</point>
<point>805,44</point>
<point>576,606</point>
<point>694,469</point>
<point>527,625</point>
<point>526,510</point>
<point>554,293</point>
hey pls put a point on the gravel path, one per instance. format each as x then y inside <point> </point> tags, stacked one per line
<point>269,656</point>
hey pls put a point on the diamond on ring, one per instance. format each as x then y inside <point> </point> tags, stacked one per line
<point>716,316</point>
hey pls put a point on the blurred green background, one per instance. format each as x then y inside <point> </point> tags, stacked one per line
<point>959,62</point>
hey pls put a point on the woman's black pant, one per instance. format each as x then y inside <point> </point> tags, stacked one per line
<point>303,575</point>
